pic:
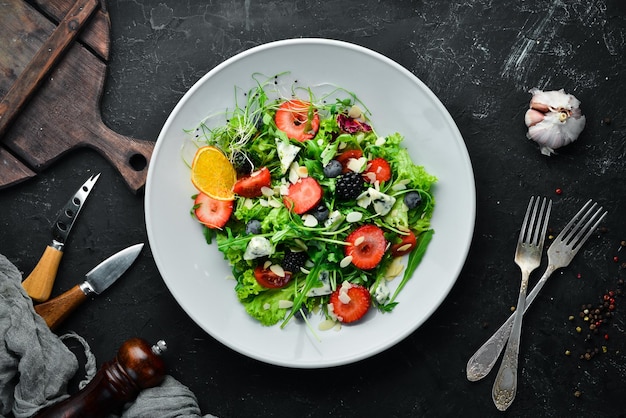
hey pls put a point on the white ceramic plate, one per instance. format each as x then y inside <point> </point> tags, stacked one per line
<point>196,273</point>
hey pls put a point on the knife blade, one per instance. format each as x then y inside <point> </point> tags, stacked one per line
<point>99,279</point>
<point>39,283</point>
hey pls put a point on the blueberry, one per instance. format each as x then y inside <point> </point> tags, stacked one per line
<point>320,212</point>
<point>253,227</point>
<point>333,169</point>
<point>301,313</point>
<point>412,199</point>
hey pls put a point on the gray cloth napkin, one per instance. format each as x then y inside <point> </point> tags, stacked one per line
<point>35,365</point>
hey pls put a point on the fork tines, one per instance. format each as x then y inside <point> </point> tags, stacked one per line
<point>533,231</point>
<point>582,225</point>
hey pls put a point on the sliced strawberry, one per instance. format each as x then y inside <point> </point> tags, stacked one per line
<point>345,157</point>
<point>269,279</point>
<point>212,212</point>
<point>377,170</point>
<point>293,118</point>
<point>350,302</point>
<point>303,195</point>
<point>405,246</point>
<point>250,186</point>
<point>367,246</point>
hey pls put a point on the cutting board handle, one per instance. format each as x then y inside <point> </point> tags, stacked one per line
<point>130,156</point>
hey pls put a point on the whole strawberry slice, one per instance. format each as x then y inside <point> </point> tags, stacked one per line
<point>350,302</point>
<point>297,119</point>
<point>212,212</point>
<point>250,186</point>
<point>303,195</point>
<point>377,170</point>
<point>367,246</point>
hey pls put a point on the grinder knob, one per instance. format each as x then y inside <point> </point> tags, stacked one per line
<point>137,366</point>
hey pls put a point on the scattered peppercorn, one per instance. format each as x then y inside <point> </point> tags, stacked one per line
<point>578,393</point>
<point>596,318</point>
<point>558,191</point>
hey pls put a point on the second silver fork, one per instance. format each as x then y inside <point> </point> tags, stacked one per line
<point>560,254</point>
<point>528,258</point>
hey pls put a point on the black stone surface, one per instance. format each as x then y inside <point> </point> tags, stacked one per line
<point>480,58</point>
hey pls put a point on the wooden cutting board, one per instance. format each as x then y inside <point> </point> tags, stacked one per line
<point>64,112</point>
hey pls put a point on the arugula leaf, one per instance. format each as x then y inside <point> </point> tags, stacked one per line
<point>415,257</point>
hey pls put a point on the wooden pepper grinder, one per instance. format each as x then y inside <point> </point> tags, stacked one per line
<point>137,366</point>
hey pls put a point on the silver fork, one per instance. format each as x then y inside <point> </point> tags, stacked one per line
<point>528,258</point>
<point>561,252</point>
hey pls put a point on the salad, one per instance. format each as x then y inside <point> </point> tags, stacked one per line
<point>320,213</point>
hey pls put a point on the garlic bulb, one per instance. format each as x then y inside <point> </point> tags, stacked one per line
<point>554,119</point>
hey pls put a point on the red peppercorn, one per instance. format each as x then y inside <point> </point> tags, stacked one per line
<point>578,276</point>
<point>606,336</point>
<point>558,191</point>
<point>615,259</point>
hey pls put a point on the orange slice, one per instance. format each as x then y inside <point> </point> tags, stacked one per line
<point>213,174</point>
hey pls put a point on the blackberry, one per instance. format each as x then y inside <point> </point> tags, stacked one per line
<point>242,163</point>
<point>349,186</point>
<point>294,260</point>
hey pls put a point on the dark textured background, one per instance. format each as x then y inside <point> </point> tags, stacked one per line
<point>480,58</point>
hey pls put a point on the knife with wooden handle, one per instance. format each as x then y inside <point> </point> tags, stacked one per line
<point>39,283</point>
<point>96,281</point>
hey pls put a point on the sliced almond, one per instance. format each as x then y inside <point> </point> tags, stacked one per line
<point>285,304</point>
<point>277,270</point>
<point>344,298</point>
<point>355,112</point>
<point>326,324</point>
<point>309,220</point>
<point>354,217</point>
<point>345,262</point>
<point>395,268</point>
<point>404,247</point>
<point>302,171</point>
